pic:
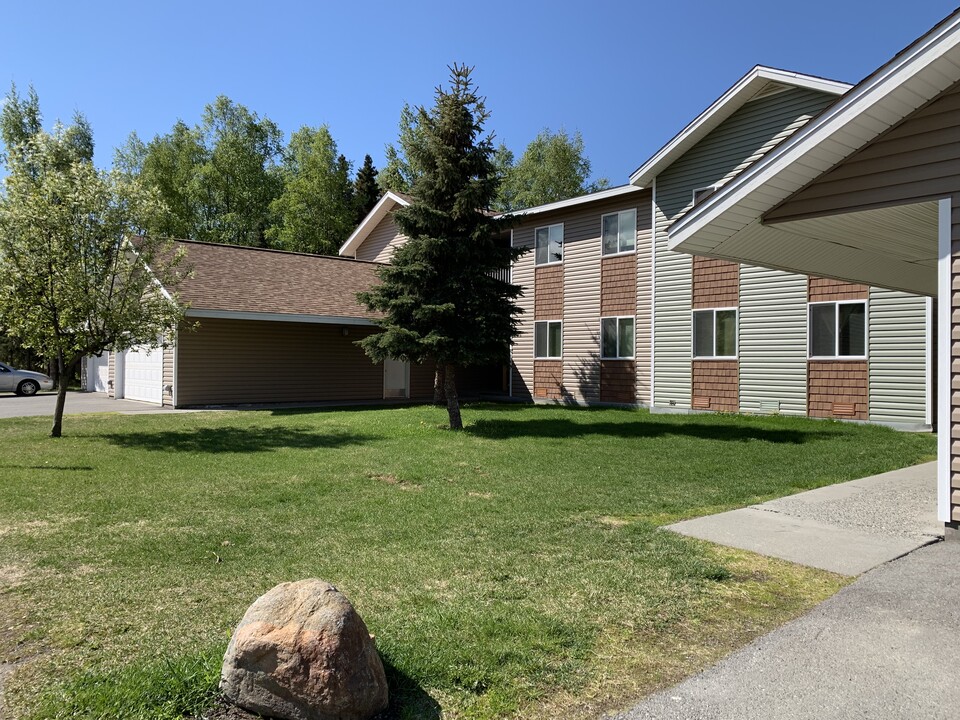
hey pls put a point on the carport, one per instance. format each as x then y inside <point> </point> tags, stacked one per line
<point>867,192</point>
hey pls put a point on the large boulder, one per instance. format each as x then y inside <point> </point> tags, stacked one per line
<point>301,652</point>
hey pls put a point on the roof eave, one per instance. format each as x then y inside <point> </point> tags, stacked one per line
<point>384,205</point>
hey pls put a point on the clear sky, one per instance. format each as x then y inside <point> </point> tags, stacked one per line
<point>627,74</point>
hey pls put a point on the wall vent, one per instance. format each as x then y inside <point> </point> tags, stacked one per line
<point>701,403</point>
<point>770,406</point>
<point>845,409</point>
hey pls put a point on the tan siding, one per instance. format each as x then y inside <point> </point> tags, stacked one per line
<point>581,307</point>
<point>618,286</point>
<point>548,293</point>
<point>955,357</point>
<point>548,379</point>
<point>381,241</point>
<point>644,325</point>
<point>618,381</point>
<point>522,274</point>
<point>241,361</point>
<point>917,159</point>
<point>827,290</point>
<point>167,376</point>
<point>716,385</point>
<point>716,283</point>
<point>838,389</point>
<point>112,374</point>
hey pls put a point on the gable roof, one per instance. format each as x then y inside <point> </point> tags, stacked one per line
<point>729,223</point>
<point>759,81</point>
<point>571,202</point>
<point>229,280</point>
<point>386,204</point>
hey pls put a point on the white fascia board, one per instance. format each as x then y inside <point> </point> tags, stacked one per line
<point>579,200</point>
<point>279,317</point>
<point>817,134</point>
<point>728,103</point>
<point>384,205</point>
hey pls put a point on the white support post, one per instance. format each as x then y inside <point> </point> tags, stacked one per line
<point>944,359</point>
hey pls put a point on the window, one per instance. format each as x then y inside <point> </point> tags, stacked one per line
<point>619,231</point>
<point>549,241</point>
<point>838,329</point>
<point>548,339</point>
<point>616,337</point>
<point>715,333</point>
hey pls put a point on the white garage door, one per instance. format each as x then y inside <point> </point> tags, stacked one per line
<point>143,374</point>
<point>98,374</point>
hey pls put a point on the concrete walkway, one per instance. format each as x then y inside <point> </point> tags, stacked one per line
<point>847,528</point>
<point>880,648</point>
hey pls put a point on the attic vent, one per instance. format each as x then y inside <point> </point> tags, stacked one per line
<point>701,403</point>
<point>770,406</point>
<point>845,409</point>
<point>701,194</point>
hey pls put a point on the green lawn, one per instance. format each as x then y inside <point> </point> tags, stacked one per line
<point>514,569</point>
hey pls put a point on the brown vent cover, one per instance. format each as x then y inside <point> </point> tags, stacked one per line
<point>701,403</point>
<point>844,409</point>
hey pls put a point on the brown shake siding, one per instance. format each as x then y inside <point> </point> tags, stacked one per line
<point>381,242</point>
<point>246,361</point>
<point>716,283</point>
<point>618,286</point>
<point>548,379</point>
<point>618,381</point>
<point>548,293</point>
<point>827,290</point>
<point>716,385</point>
<point>837,389</point>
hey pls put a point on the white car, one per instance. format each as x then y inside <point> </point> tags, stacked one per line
<point>23,382</point>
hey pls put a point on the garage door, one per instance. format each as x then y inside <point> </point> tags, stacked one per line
<point>99,373</point>
<point>143,374</point>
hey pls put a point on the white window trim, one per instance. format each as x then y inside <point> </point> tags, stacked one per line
<point>620,253</point>
<point>836,328</point>
<point>618,318</point>
<point>736,334</point>
<point>563,250</point>
<point>693,193</point>
<point>547,357</point>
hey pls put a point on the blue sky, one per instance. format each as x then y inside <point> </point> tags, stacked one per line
<point>627,74</point>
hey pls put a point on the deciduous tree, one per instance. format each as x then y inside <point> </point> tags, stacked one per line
<point>440,296</point>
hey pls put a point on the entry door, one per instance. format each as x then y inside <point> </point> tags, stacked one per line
<point>396,379</point>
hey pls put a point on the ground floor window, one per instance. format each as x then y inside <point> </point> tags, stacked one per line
<point>838,329</point>
<point>715,333</point>
<point>616,337</point>
<point>548,339</point>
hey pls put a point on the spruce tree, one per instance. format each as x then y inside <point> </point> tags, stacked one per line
<point>439,296</point>
<point>366,192</point>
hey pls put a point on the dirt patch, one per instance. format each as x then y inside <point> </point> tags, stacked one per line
<point>396,482</point>
<point>481,495</point>
<point>614,521</point>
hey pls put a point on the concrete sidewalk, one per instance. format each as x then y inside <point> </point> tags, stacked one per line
<point>847,528</point>
<point>880,648</point>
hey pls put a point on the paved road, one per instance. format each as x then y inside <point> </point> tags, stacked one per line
<point>77,402</point>
<point>883,647</point>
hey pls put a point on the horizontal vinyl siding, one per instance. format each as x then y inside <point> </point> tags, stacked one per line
<point>897,357</point>
<point>167,376</point>
<point>773,340</point>
<point>672,323</point>
<point>915,160</point>
<point>241,361</point>
<point>381,241</point>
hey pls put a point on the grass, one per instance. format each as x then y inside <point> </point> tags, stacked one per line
<point>514,569</point>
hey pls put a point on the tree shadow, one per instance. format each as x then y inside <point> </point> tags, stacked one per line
<point>407,697</point>
<point>218,440</point>
<point>648,427</point>
<point>72,468</point>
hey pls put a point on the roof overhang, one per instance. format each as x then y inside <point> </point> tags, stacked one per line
<point>278,317</point>
<point>572,202</point>
<point>385,205</point>
<point>756,82</point>
<point>893,246</point>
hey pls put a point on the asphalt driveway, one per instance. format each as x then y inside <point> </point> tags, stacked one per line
<point>12,406</point>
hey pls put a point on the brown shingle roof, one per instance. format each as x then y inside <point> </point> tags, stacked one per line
<point>243,279</point>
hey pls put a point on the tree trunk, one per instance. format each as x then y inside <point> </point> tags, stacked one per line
<point>439,395</point>
<point>57,429</point>
<point>453,401</point>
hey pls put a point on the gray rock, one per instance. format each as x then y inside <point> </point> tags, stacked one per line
<point>301,652</point>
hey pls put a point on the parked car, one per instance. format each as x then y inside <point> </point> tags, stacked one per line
<point>23,382</point>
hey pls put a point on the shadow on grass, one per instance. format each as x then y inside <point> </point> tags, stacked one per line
<point>72,468</point>
<point>407,698</point>
<point>648,427</point>
<point>237,440</point>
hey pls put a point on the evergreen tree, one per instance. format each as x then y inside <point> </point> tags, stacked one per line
<point>402,169</point>
<point>365,190</point>
<point>439,297</point>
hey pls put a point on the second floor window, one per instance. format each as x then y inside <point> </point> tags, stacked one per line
<point>619,231</point>
<point>549,244</point>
